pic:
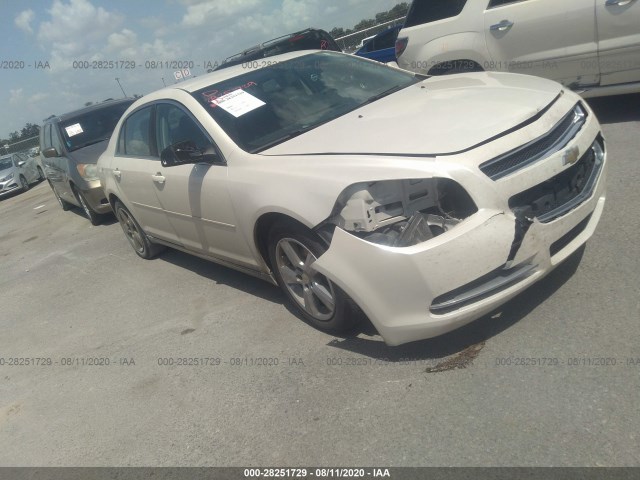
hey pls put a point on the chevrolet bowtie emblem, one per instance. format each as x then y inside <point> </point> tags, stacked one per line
<point>571,156</point>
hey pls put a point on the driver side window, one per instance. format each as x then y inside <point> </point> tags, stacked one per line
<point>174,125</point>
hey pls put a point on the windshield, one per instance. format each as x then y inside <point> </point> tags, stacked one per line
<point>268,106</point>
<point>5,163</point>
<point>91,127</point>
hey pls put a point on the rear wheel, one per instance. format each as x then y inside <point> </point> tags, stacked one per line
<point>292,251</point>
<point>135,235</point>
<point>94,218</point>
<point>24,183</point>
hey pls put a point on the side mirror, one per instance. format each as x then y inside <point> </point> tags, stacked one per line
<point>50,152</point>
<point>22,163</point>
<point>186,152</point>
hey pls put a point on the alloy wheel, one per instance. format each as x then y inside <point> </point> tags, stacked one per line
<point>311,290</point>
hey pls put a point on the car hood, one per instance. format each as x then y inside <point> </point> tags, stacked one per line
<point>438,116</point>
<point>90,153</point>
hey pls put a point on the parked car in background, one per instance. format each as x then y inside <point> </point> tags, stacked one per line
<point>17,172</point>
<point>590,46</point>
<point>309,39</point>
<point>426,202</point>
<point>363,41</point>
<point>381,47</point>
<point>70,145</point>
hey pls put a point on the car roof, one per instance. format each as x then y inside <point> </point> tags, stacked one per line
<point>250,52</point>
<point>90,108</point>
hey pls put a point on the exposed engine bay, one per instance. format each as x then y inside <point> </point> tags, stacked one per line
<point>401,213</point>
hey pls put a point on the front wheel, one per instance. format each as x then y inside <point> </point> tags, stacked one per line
<point>293,250</point>
<point>135,235</point>
<point>94,218</point>
<point>63,204</point>
<point>24,183</point>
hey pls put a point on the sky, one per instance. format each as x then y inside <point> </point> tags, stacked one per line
<point>46,44</point>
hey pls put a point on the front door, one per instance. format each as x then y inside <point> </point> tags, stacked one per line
<point>195,197</point>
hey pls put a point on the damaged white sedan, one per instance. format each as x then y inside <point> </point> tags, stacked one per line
<point>425,202</point>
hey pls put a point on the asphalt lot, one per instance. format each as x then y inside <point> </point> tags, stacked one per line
<point>71,292</point>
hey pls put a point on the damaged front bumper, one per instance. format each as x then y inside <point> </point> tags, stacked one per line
<point>431,288</point>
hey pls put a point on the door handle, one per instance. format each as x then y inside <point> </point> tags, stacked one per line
<point>117,174</point>
<point>158,178</point>
<point>505,25</point>
<point>618,3</point>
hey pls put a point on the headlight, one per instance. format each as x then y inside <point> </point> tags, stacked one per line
<point>8,177</point>
<point>88,171</point>
<point>402,213</point>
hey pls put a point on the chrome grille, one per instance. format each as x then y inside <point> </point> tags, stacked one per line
<point>553,141</point>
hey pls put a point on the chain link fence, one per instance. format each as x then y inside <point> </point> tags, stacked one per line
<point>352,42</point>
<point>22,146</point>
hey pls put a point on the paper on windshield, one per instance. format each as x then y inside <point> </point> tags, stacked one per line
<point>238,102</point>
<point>74,129</point>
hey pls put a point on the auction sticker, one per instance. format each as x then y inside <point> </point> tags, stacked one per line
<point>74,129</point>
<point>238,102</point>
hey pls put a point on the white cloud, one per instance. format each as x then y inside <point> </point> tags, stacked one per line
<point>76,28</point>
<point>122,43</point>
<point>16,96</point>
<point>24,19</point>
<point>201,12</point>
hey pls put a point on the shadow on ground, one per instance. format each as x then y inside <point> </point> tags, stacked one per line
<point>461,342</point>
<point>467,341</point>
<point>617,109</point>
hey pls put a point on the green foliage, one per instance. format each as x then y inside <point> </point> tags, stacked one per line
<point>400,10</point>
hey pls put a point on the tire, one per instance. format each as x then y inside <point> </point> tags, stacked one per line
<point>292,249</point>
<point>24,183</point>
<point>64,205</point>
<point>40,174</point>
<point>94,218</point>
<point>138,240</point>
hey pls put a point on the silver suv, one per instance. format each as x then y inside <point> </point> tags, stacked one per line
<point>70,145</point>
<point>590,46</point>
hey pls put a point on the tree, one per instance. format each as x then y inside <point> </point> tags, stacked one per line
<point>398,11</point>
<point>88,104</point>
<point>29,130</point>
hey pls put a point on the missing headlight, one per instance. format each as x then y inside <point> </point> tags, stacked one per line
<point>401,213</point>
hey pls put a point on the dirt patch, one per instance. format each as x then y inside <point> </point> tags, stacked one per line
<point>460,360</point>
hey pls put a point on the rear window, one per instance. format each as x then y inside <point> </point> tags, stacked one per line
<point>425,11</point>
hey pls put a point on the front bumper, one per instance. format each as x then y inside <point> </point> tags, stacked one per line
<point>9,186</point>
<point>95,196</point>
<point>437,286</point>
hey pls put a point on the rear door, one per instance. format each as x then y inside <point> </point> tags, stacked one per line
<point>136,170</point>
<point>548,38</point>
<point>619,40</point>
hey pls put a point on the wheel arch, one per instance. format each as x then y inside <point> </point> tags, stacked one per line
<point>263,226</point>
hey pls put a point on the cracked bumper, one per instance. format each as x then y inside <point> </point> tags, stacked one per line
<point>396,287</point>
